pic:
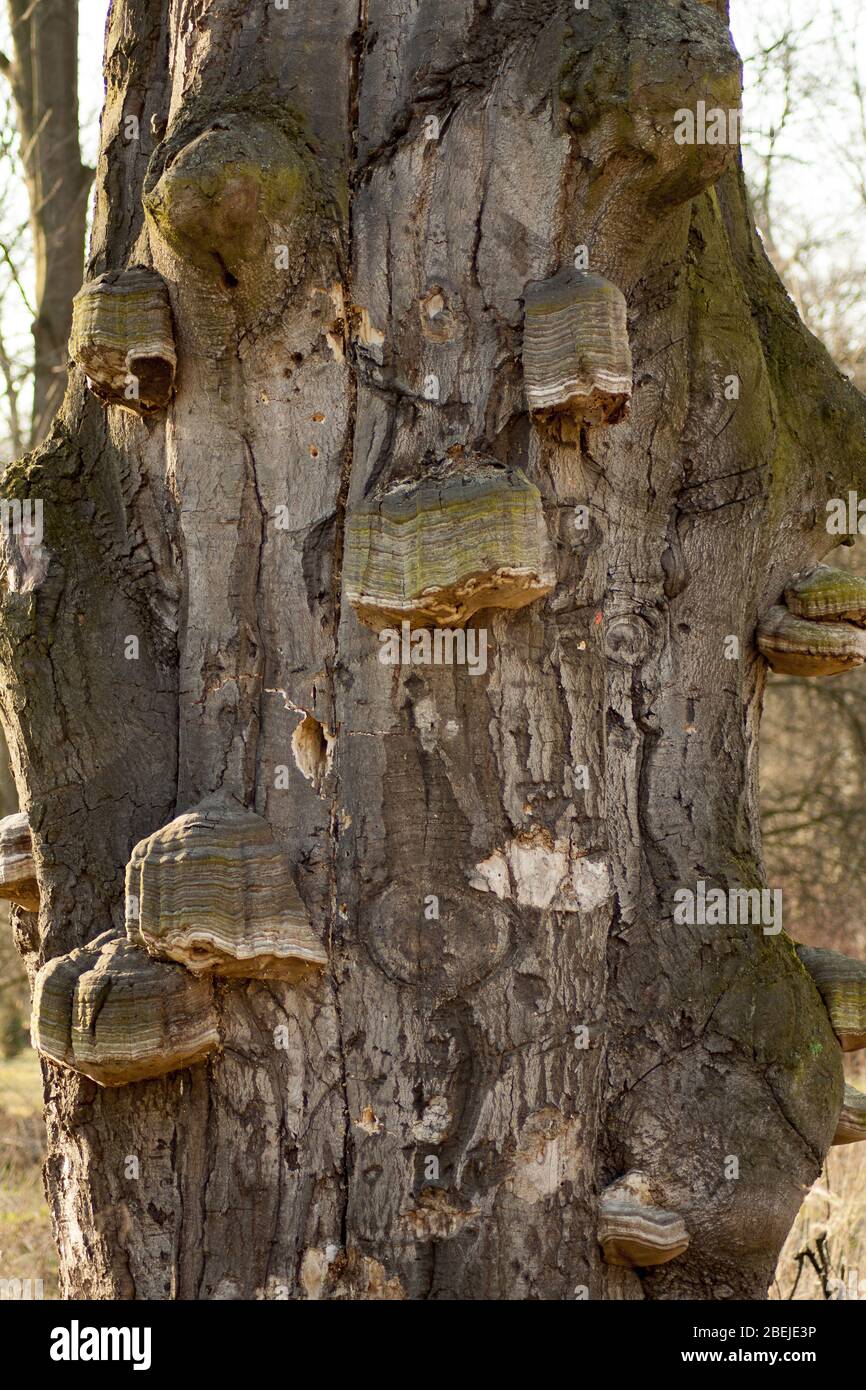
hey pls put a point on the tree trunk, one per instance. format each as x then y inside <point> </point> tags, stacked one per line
<point>44,78</point>
<point>435,1126</point>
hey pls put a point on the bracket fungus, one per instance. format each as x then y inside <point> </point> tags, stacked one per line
<point>841,983</point>
<point>17,870</point>
<point>820,629</point>
<point>433,552</point>
<point>633,1229</point>
<point>215,892</point>
<point>797,647</point>
<point>109,1011</point>
<point>825,594</point>
<point>851,1127</point>
<point>576,357</point>
<point>122,337</point>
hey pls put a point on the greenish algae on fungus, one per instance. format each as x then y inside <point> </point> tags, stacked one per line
<point>435,551</point>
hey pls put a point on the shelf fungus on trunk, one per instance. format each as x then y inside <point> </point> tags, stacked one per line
<point>17,871</point>
<point>122,337</point>
<point>435,551</point>
<point>111,1012</point>
<point>577,365</point>
<point>841,983</point>
<point>634,1229</point>
<point>214,891</point>
<point>825,594</point>
<point>802,647</point>
<point>852,1117</point>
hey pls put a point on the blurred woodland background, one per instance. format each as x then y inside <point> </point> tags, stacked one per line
<point>805,156</point>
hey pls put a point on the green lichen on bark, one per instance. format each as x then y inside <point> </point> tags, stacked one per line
<point>231,192</point>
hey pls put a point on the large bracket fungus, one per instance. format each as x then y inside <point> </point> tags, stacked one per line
<point>852,1117</point>
<point>109,1011</point>
<point>122,337</point>
<point>214,891</point>
<point>435,551</point>
<point>634,1229</point>
<point>819,631</point>
<point>17,870</point>
<point>577,364</point>
<point>841,983</point>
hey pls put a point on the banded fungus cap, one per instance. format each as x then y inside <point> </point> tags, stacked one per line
<point>841,982</point>
<point>634,1230</point>
<point>825,594</point>
<point>576,354</point>
<point>851,1126</point>
<point>110,1012</point>
<point>122,336</point>
<point>215,892</point>
<point>53,998</point>
<point>17,869</point>
<point>433,552</point>
<point>800,647</point>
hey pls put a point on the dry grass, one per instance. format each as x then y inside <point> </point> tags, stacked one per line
<point>825,1253</point>
<point>826,1250</point>
<point>26,1246</point>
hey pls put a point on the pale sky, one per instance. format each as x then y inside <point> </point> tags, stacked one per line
<point>823,147</point>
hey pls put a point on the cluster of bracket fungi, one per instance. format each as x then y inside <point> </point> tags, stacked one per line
<point>819,630</point>
<point>470,534</point>
<point>209,896</point>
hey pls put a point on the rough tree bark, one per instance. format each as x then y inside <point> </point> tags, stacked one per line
<point>43,73</point>
<point>305,1172</point>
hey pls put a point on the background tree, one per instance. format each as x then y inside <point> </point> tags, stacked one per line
<point>302,307</point>
<point>43,74</point>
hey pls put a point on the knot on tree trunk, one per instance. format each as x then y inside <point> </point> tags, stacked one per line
<point>651,94</point>
<point>233,200</point>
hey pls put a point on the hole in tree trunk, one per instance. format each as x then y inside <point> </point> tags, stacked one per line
<point>312,749</point>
